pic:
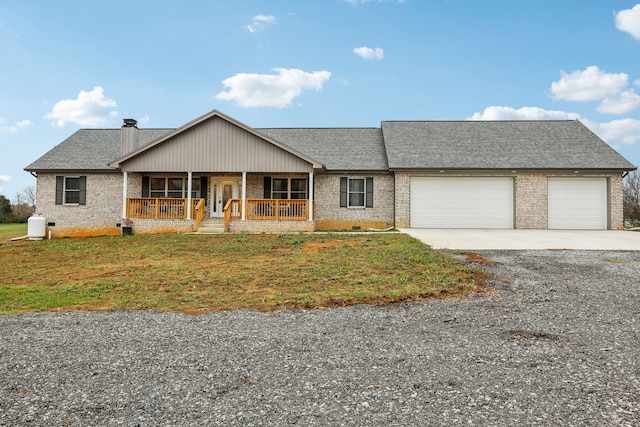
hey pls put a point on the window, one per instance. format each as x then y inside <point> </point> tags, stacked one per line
<point>172,187</point>
<point>285,188</point>
<point>71,190</point>
<point>356,192</point>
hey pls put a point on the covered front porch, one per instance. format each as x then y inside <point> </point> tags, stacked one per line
<point>271,212</point>
<point>216,169</point>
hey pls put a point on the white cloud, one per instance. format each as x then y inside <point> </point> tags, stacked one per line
<point>621,103</point>
<point>524,113</point>
<point>623,131</point>
<point>628,20</point>
<point>259,22</point>
<point>143,120</point>
<point>369,53</point>
<point>269,90</point>
<point>4,179</point>
<point>588,85</point>
<point>16,127</point>
<point>88,109</point>
<point>616,132</point>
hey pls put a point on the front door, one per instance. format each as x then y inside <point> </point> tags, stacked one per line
<point>221,191</point>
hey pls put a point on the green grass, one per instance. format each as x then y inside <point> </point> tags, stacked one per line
<point>196,273</point>
<point>8,231</point>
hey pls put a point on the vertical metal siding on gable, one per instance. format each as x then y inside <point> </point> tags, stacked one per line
<point>216,146</point>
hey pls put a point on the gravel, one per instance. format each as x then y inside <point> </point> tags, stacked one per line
<point>557,344</point>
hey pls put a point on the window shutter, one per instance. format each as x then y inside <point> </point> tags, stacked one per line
<point>145,186</point>
<point>267,187</point>
<point>344,182</point>
<point>204,189</point>
<point>59,189</point>
<point>83,190</point>
<point>369,192</point>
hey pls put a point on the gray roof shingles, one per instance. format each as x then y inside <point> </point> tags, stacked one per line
<point>396,145</point>
<point>566,144</point>
<point>89,149</point>
<point>338,149</point>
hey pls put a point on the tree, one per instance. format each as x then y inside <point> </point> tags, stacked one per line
<point>6,212</point>
<point>631,198</point>
<point>24,204</point>
<point>28,194</point>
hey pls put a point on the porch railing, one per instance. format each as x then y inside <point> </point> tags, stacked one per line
<point>198,208</point>
<point>161,208</point>
<point>267,210</point>
<point>277,209</point>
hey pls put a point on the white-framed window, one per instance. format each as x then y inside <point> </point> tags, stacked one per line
<point>173,187</point>
<point>285,188</point>
<point>356,192</point>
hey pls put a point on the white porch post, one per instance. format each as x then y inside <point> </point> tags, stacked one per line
<point>244,196</point>
<point>124,194</point>
<point>189,185</point>
<point>310,196</point>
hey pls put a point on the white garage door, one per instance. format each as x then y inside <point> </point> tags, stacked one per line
<point>462,203</point>
<point>577,203</point>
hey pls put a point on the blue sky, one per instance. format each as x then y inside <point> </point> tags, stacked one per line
<point>314,63</point>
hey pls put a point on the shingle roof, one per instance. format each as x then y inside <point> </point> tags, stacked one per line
<point>396,145</point>
<point>89,149</point>
<point>338,149</point>
<point>497,145</point>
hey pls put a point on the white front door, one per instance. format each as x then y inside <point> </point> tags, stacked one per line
<point>222,189</point>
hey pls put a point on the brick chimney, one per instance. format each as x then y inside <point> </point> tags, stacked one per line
<point>129,136</point>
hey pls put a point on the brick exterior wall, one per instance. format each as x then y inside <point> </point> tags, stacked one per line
<point>239,226</point>
<point>531,211</point>
<point>330,216</point>
<point>98,217</point>
<point>531,201</point>
<point>103,209</point>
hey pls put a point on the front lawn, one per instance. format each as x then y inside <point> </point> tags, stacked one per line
<point>199,273</point>
<point>9,231</point>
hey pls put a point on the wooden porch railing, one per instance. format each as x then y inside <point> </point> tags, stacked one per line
<point>198,208</point>
<point>278,209</point>
<point>232,210</point>
<point>267,210</point>
<point>161,208</point>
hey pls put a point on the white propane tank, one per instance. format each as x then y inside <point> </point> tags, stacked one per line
<point>36,227</point>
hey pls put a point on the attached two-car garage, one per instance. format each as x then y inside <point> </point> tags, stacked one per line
<point>489,202</point>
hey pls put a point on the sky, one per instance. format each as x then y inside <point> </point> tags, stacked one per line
<point>71,64</point>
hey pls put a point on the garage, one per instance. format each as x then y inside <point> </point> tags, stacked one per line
<point>462,202</point>
<point>577,203</point>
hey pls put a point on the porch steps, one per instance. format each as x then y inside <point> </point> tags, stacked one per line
<point>211,226</point>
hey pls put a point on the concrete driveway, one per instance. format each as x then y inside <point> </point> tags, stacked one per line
<point>610,240</point>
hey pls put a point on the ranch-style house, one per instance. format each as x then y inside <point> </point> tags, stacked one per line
<point>217,174</point>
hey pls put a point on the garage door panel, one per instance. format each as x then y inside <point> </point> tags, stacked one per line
<point>461,202</point>
<point>577,203</point>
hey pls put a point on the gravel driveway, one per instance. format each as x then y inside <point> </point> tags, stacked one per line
<point>558,345</point>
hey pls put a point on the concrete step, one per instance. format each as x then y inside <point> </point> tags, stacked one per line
<point>210,230</point>
<point>211,226</point>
